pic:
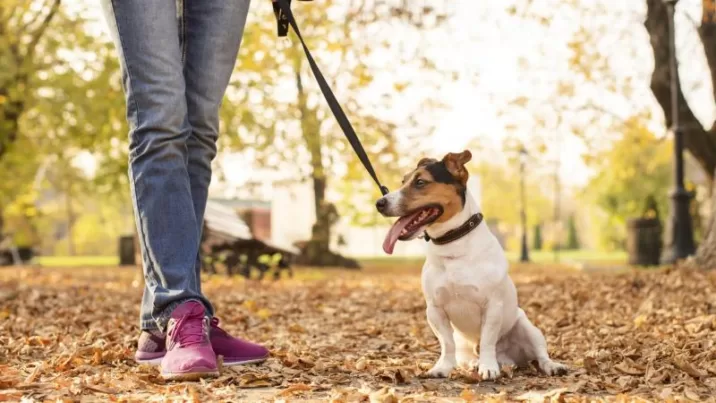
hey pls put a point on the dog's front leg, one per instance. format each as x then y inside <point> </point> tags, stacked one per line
<point>488,367</point>
<point>439,322</point>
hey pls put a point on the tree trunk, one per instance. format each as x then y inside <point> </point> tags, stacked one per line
<point>699,141</point>
<point>70,217</point>
<point>9,123</point>
<point>316,252</point>
<point>706,254</point>
<point>2,222</point>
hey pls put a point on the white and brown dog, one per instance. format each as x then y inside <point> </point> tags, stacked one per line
<point>471,300</point>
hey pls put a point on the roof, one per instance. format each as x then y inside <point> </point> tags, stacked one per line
<point>224,222</point>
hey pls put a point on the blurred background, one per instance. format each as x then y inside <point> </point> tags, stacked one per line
<point>565,104</point>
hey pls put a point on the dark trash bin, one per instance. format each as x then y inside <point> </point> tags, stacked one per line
<point>644,241</point>
<point>126,251</point>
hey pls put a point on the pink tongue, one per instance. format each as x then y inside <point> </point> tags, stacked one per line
<point>394,233</point>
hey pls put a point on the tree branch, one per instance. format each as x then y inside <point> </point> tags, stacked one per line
<point>40,31</point>
<point>701,143</point>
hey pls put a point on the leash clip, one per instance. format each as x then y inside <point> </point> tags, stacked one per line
<point>281,19</point>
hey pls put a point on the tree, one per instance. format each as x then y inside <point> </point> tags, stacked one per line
<point>281,118</point>
<point>59,91</point>
<point>572,236</point>
<point>599,46</point>
<point>500,195</point>
<point>699,140</point>
<point>537,238</point>
<point>628,172</point>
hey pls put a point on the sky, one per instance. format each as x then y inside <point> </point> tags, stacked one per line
<point>489,48</point>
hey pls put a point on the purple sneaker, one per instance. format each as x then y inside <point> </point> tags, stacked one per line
<point>234,350</point>
<point>189,354</point>
<point>151,347</point>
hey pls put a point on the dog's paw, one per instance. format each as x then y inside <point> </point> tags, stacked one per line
<point>466,362</point>
<point>440,370</point>
<point>488,371</point>
<point>552,368</point>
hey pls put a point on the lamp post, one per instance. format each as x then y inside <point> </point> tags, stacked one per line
<point>524,254</point>
<point>679,242</point>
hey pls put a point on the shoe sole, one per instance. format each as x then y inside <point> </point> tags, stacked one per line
<point>191,376</point>
<point>244,362</point>
<point>153,361</point>
<point>158,361</point>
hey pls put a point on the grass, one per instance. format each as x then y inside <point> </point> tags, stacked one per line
<point>539,257</point>
<point>579,256</point>
<point>76,261</point>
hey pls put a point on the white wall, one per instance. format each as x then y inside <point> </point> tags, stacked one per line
<point>292,217</point>
<point>292,213</point>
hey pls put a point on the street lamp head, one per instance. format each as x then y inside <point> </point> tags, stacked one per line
<point>523,154</point>
<point>670,2</point>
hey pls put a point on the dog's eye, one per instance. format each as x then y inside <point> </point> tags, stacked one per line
<point>420,183</point>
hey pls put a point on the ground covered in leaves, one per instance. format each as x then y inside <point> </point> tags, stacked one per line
<point>69,335</point>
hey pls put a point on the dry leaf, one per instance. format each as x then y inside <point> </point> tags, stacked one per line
<point>541,396</point>
<point>625,368</point>
<point>263,313</point>
<point>299,387</point>
<point>100,389</point>
<point>430,385</point>
<point>690,394</point>
<point>590,364</point>
<point>688,368</point>
<point>385,395</point>
<point>468,395</point>
<point>639,321</point>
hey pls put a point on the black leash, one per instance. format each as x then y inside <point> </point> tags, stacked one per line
<point>284,17</point>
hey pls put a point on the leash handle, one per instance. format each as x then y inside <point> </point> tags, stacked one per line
<point>282,9</point>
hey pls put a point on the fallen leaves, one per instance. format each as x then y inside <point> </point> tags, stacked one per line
<point>299,387</point>
<point>70,334</point>
<point>689,368</point>
<point>628,367</point>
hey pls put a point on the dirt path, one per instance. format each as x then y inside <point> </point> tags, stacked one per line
<point>70,334</point>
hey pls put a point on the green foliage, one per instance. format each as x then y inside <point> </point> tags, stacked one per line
<point>629,172</point>
<point>59,94</point>
<point>537,237</point>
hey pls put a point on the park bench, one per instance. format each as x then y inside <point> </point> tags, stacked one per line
<point>11,254</point>
<point>228,244</point>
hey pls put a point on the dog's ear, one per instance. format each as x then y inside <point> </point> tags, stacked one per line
<point>426,161</point>
<point>455,164</point>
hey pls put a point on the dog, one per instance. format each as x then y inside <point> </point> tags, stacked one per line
<point>471,300</point>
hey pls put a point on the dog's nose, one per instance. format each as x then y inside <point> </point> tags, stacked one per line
<point>381,204</point>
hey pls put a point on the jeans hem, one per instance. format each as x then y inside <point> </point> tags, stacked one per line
<point>163,319</point>
<point>148,325</point>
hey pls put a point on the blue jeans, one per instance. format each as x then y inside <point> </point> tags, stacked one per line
<point>176,59</point>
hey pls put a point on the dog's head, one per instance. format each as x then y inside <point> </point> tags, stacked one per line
<point>432,192</point>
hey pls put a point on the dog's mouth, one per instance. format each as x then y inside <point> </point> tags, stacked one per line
<point>410,225</point>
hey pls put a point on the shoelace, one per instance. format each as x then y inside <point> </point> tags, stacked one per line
<point>188,331</point>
